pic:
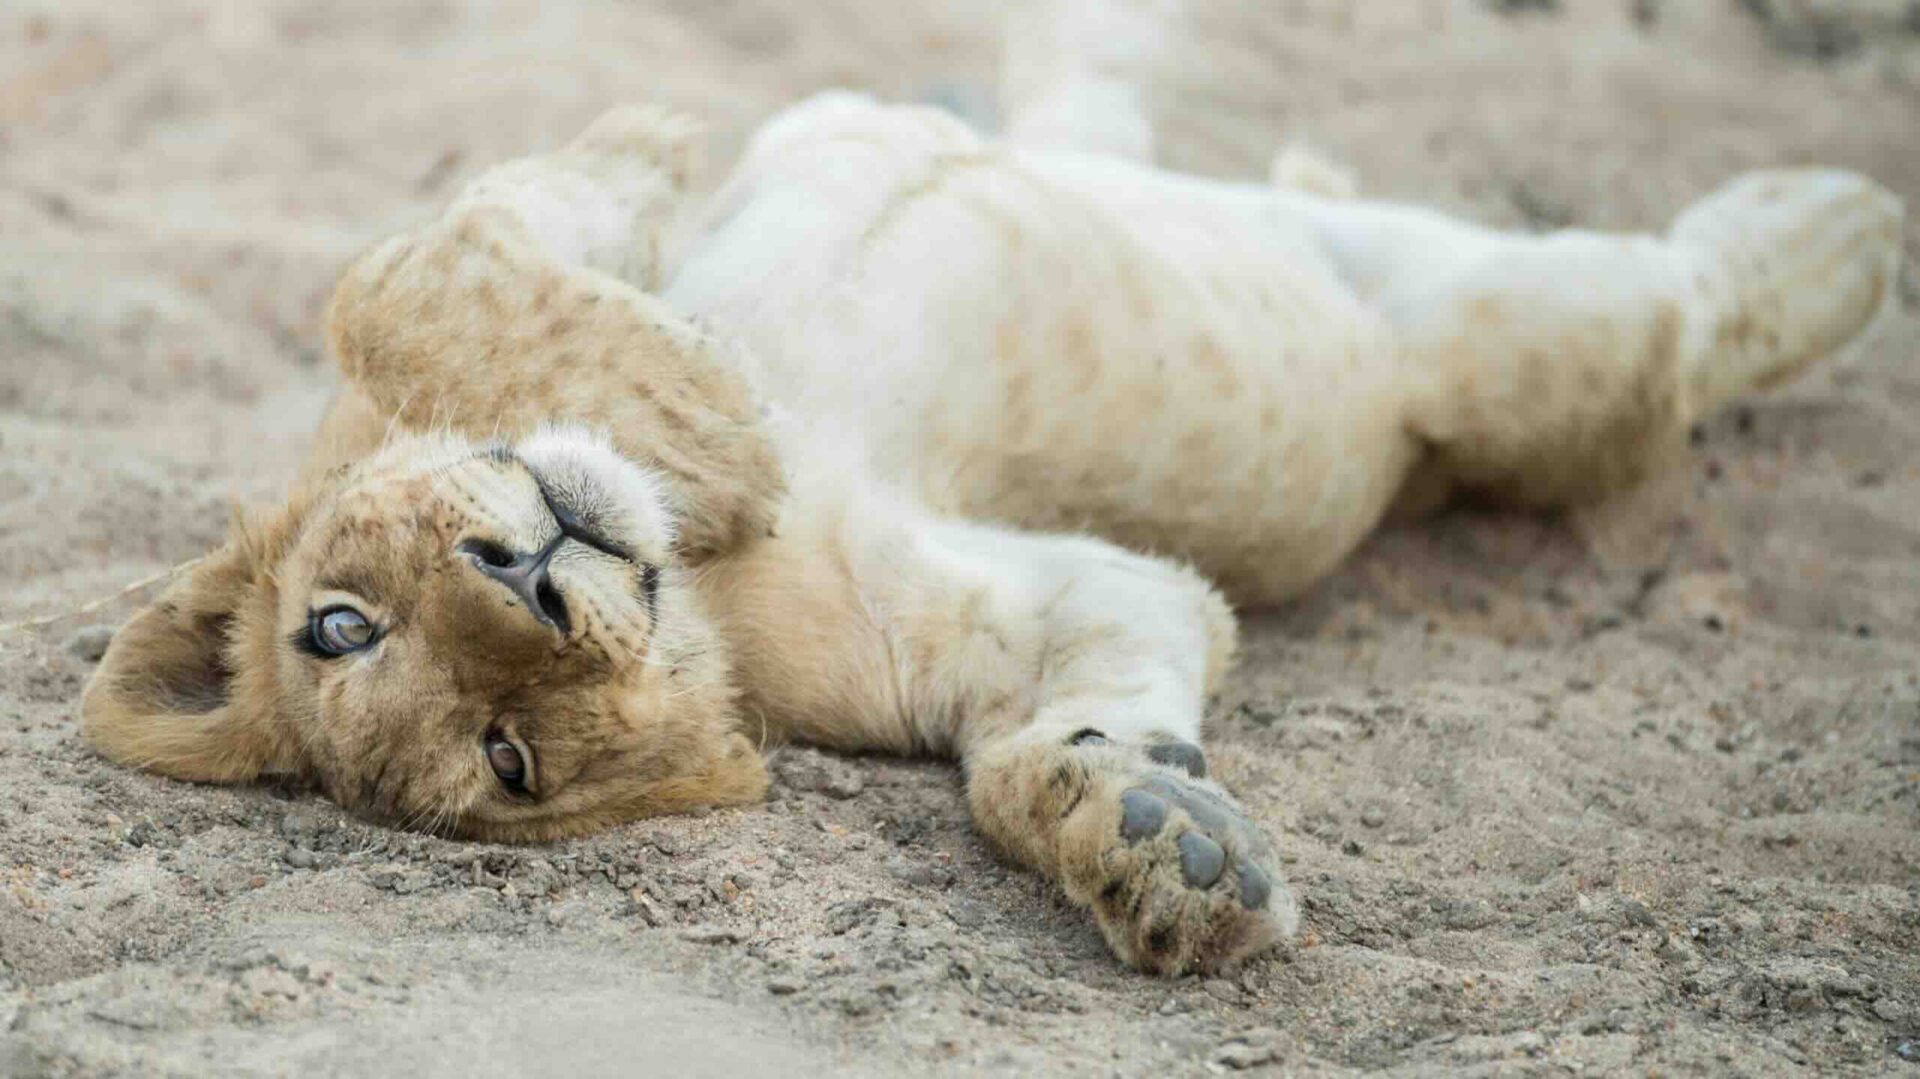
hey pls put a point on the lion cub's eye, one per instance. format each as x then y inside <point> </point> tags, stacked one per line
<point>337,631</point>
<point>507,763</point>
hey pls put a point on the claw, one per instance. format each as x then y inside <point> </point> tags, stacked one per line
<point>1201,860</point>
<point>1141,815</point>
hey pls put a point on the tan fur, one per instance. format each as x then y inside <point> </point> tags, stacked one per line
<point>464,326</point>
<point>825,487</point>
<point>628,717</point>
<point>187,688</point>
<point>1057,808</point>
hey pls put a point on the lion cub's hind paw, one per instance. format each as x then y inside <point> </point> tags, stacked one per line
<point>1796,263</point>
<point>1176,875</point>
<point>604,199</point>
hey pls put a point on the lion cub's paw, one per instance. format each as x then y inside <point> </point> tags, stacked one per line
<point>1174,872</point>
<point>1796,262</point>
<point>603,200</point>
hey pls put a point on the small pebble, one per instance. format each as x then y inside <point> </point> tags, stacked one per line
<point>643,906</point>
<point>1221,989</point>
<point>1239,1056</point>
<point>968,913</point>
<point>858,1004</point>
<point>845,785</point>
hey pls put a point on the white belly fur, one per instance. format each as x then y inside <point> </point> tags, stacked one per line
<point>1057,341</point>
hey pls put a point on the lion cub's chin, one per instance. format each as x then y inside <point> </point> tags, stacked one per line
<point>486,640</point>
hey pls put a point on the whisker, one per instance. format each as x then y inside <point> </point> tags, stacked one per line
<point>394,420</point>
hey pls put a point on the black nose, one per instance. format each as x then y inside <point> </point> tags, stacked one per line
<point>525,574</point>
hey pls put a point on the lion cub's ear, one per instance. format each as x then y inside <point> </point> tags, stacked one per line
<point>185,689</point>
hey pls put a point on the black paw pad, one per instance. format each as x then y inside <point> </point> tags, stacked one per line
<point>1206,810</point>
<point>1182,755</point>
<point>1255,887</point>
<point>1201,860</point>
<point>1141,815</point>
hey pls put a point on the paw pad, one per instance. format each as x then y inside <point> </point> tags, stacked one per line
<point>1255,887</point>
<point>1201,860</point>
<point>1174,871</point>
<point>1141,815</point>
<point>1206,810</point>
<point>1182,755</point>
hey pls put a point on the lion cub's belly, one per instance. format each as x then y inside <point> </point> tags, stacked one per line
<point>1074,343</point>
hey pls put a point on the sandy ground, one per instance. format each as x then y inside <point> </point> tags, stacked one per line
<point>1636,789</point>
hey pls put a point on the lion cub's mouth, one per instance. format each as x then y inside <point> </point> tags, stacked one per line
<point>575,527</point>
<point>587,532</point>
<point>601,500</point>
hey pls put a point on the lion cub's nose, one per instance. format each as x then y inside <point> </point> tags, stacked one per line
<point>525,574</point>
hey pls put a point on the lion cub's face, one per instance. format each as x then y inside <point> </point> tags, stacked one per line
<point>486,641</point>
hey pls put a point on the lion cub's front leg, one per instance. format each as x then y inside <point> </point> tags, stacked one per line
<point>1067,675</point>
<point>1103,784</point>
<point>1173,871</point>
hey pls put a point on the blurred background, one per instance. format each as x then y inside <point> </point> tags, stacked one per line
<point>1639,788</point>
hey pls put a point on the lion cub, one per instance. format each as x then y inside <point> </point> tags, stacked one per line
<point>908,440</point>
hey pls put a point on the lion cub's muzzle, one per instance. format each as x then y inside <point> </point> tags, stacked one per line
<point>526,576</point>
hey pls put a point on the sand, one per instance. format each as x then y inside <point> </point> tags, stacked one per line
<point>1632,789</point>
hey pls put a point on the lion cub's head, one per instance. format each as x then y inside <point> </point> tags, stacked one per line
<point>490,641</point>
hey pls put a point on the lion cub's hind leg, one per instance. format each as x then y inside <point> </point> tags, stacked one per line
<point>1793,264</point>
<point>1105,786</point>
<point>1551,370</point>
<point>1073,75</point>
